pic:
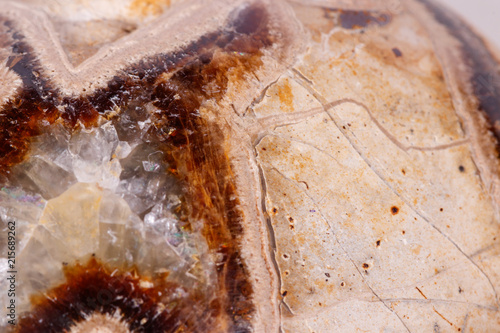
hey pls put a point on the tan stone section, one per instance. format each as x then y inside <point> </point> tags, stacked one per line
<point>379,217</point>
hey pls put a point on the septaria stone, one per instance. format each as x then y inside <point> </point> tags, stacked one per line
<point>248,166</point>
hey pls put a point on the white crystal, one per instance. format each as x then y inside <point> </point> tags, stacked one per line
<point>161,220</point>
<point>94,156</point>
<point>123,150</point>
<point>18,205</point>
<point>73,218</point>
<point>97,189</point>
<point>151,166</point>
<point>42,173</point>
<point>143,193</point>
<point>23,209</point>
<point>53,147</point>
<point>113,209</point>
<point>39,265</point>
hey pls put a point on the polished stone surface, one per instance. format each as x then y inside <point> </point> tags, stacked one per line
<point>248,166</point>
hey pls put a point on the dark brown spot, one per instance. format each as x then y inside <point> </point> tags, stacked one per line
<point>342,284</point>
<point>397,52</point>
<point>461,168</point>
<point>441,209</point>
<point>366,266</point>
<point>284,293</point>
<point>275,210</point>
<point>250,20</point>
<point>378,243</point>
<point>327,274</point>
<point>394,210</point>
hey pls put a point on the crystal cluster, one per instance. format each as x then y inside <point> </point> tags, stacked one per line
<point>88,193</point>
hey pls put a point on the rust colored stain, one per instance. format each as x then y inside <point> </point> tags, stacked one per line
<point>192,146</point>
<point>421,293</point>
<point>440,315</point>
<point>148,7</point>
<point>286,96</point>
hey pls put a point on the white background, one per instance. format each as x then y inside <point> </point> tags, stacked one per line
<point>483,15</point>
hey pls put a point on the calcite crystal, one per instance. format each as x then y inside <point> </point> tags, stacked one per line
<point>247,166</point>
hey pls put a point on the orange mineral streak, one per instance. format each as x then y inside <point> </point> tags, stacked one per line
<point>286,96</point>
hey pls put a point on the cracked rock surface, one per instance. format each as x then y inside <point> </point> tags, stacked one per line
<point>248,166</point>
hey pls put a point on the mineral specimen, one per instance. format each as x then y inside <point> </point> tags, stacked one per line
<point>247,166</point>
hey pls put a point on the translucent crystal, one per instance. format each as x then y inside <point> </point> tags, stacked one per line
<point>114,220</point>
<point>113,209</point>
<point>40,263</point>
<point>144,181</point>
<point>18,205</point>
<point>53,146</point>
<point>123,150</point>
<point>73,218</point>
<point>22,208</point>
<point>94,158</point>
<point>133,125</point>
<point>42,172</point>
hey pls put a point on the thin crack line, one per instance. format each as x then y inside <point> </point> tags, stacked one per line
<point>388,134</point>
<point>272,241</point>
<point>414,209</point>
<point>339,244</point>
<point>259,98</point>
<point>327,107</point>
<point>305,143</point>
<point>282,120</point>
<point>466,319</point>
<point>438,301</point>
